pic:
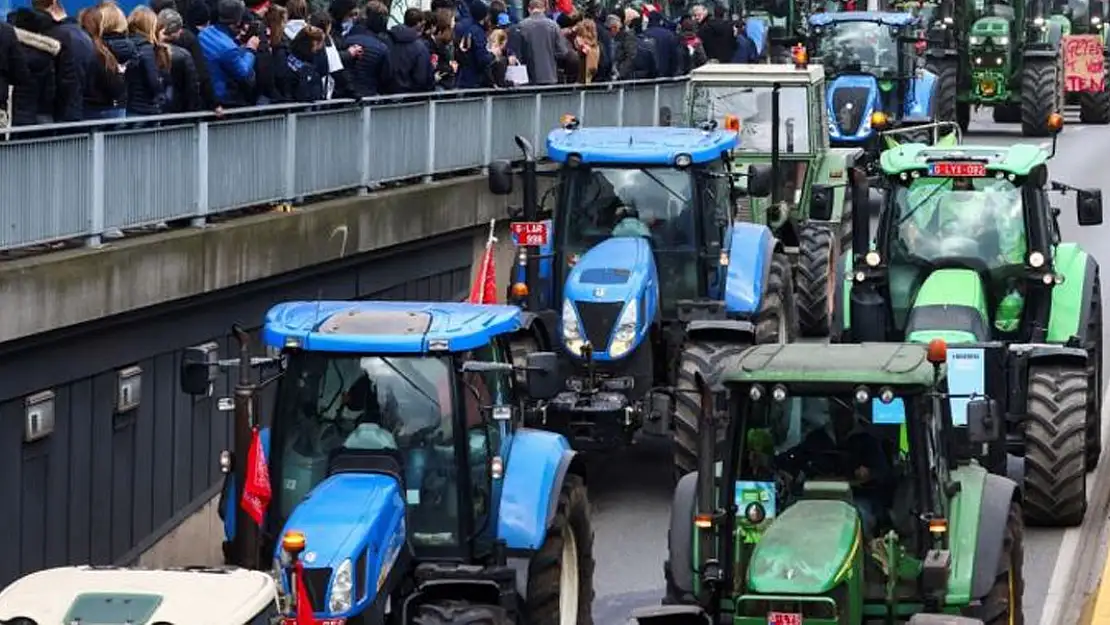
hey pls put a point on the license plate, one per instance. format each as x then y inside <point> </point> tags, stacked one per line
<point>957,170</point>
<point>784,618</point>
<point>289,620</point>
<point>529,233</point>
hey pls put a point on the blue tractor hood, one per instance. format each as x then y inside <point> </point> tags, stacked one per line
<point>345,516</point>
<point>607,277</point>
<point>851,99</point>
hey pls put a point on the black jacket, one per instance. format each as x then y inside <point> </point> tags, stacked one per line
<point>13,66</point>
<point>104,89</point>
<point>369,75</point>
<point>624,52</point>
<point>183,88</point>
<point>146,87</point>
<point>33,101</point>
<point>70,67</point>
<point>718,39</point>
<point>410,63</point>
<point>188,40</point>
<point>666,51</point>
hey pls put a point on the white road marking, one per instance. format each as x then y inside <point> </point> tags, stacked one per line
<point>1062,590</point>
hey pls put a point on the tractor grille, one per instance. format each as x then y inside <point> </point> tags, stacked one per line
<point>316,583</point>
<point>848,106</point>
<point>598,321</point>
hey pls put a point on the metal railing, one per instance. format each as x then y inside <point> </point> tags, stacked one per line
<point>84,181</point>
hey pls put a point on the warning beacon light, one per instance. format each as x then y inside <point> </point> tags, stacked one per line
<point>800,56</point>
<point>732,123</point>
<point>938,352</point>
<point>568,122</point>
<point>293,542</point>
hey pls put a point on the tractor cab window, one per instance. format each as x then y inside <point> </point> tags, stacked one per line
<point>401,404</point>
<point>826,439</point>
<point>859,47</point>
<point>483,436</point>
<point>751,105</point>
<point>980,219</point>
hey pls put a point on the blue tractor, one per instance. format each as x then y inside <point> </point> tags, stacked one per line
<point>394,448</point>
<point>873,83</point>
<point>646,279</point>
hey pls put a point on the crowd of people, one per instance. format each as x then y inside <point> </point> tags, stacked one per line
<point>178,56</point>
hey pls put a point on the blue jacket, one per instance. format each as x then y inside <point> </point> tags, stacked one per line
<point>147,89</point>
<point>230,66</point>
<point>369,75</point>
<point>666,50</point>
<point>746,51</point>
<point>477,59</point>
<point>410,62</point>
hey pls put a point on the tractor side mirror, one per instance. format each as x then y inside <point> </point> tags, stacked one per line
<point>501,178</point>
<point>760,179</point>
<point>821,202</point>
<point>199,369</point>
<point>1088,206</point>
<point>542,375</point>
<point>984,421</point>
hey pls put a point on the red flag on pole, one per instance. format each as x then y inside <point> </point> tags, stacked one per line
<point>304,603</point>
<point>256,490</point>
<point>484,289</point>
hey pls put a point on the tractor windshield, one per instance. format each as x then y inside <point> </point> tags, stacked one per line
<point>859,47</point>
<point>969,218</point>
<point>403,404</point>
<point>751,106</point>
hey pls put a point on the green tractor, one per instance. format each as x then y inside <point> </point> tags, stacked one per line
<point>998,54</point>
<point>968,249</point>
<point>807,199</point>
<point>1083,24</point>
<point>843,495</point>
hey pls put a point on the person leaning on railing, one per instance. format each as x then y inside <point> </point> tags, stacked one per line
<point>230,64</point>
<point>33,101</point>
<point>105,89</point>
<point>13,71</point>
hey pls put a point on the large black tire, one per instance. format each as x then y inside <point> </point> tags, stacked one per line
<point>1094,375</point>
<point>777,321</point>
<point>815,280</point>
<point>460,613</point>
<point>1003,604</point>
<point>1041,96</point>
<point>545,572</point>
<point>1006,114</point>
<point>1094,108</point>
<point>1055,431</point>
<point>946,107</point>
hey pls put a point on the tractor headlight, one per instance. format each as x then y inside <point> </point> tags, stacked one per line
<point>572,333</point>
<point>342,583</point>
<point>1002,41</point>
<point>1038,21</point>
<point>1096,20</point>
<point>975,40</point>
<point>1036,260</point>
<point>625,336</point>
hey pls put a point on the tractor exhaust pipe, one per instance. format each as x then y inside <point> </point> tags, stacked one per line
<point>530,197</point>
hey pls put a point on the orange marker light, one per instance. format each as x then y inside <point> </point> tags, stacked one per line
<point>1055,122</point>
<point>293,542</point>
<point>878,120</point>
<point>938,351</point>
<point>703,521</point>
<point>568,121</point>
<point>520,289</point>
<point>938,526</point>
<point>732,123</point>
<point>801,57</point>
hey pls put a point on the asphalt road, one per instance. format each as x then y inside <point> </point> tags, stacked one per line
<point>630,491</point>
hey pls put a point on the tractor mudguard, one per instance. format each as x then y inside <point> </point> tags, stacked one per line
<point>228,505</point>
<point>1040,53</point>
<point>733,329</point>
<point>1057,354</point>
<point>542,325</point>
<point>670,615</point>
<point>1015,469</point>
<point>529,489</point>
<point>680,538</point>
<point>920,107</point>
<point>750,248</point>
<point>997,495</point>
<point>1071,301</point>
<point>373,511</point>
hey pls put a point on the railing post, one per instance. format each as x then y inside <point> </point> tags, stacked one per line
<point>96,213</point>
<point>487,138</point>
<point>430,161</point>
<point>537,120</point>
<point>582,106</point>
<point>620,106</point>
<point>201,217</point>
<point>655,107</point>
<point>364,165</point>
<point>290,157</point>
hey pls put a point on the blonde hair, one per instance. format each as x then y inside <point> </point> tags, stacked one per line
<point>144,22</point>
<point>498,37</point>
<point>92,21</point>
<point>112,19</point>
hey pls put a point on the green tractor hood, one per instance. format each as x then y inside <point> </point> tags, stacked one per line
<point>808,550</point>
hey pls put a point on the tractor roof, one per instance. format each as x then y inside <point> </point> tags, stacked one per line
<point>849,364</point>
<point>638,146</point>
<point>886,18</point>
<point>386,327</point>
<point>1018,159</point>
<point>754,74</point>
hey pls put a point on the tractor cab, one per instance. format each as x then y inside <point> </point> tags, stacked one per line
<point>875,84</point>
<point>839,497</point>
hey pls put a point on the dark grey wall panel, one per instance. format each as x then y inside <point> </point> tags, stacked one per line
<point>105,486</point>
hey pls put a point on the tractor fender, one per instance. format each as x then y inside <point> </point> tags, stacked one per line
<point>542,325</point>
<point>670,615</point>
<point>844,289</point>
<point>730,330</point>
<point>1041,53</point>
<point>680,538</point>
<point>1015,469</point>
<point>538,462</point>
<point>750,248</point>
<point>1071,300</point>
<point>228,506</point>
<point>920,107</point>
<point>994,508</point>
<point>1057,355</point>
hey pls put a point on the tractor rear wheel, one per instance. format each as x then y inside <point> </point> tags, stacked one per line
<point>708,359</point>
<point>946,106</point>
<point>777,321</point>
<point>1055,432</point>
<point>460,613</point>
<point>1094,108</point>
<point>561,573</point>
<point>1094,375</point>
<point>1003,604</point>
<point>815,281</point>
<point>1040,96</point>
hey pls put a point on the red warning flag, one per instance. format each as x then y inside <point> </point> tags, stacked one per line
<point>256,490</point>
<point>484,289</point>
<point>304,603</point>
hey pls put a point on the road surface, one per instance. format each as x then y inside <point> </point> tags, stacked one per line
<point>631,493</point>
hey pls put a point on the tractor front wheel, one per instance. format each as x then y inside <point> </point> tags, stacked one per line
<point>708,359</point>
<point>1040,97</point>
<point>1055,432</point>
<point>777,321</point>
<point>1003,604</point>
<point>561,573</point>
<point>460,613</point>
<point>815,284</point>
<point>1094,375</point>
